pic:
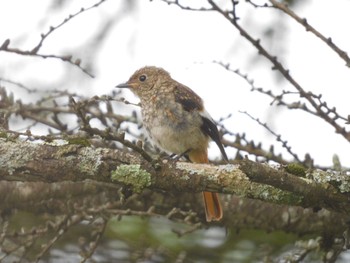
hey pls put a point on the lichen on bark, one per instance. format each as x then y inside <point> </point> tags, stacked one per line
<point>132,175</point>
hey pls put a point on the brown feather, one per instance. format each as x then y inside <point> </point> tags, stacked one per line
<point>187,98</point>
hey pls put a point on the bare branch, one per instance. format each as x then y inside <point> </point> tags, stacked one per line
<point>278,137</point>
<point>107,165</point>
<point>34,51</point>
<point>65,21</point>
<point>177,3</point>
<point>67,59</point>
<point>321,109</point>
<point>303,21</point>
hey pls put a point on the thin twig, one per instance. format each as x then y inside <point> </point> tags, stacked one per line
<point>177,2</point>
<point>278,137</point>
<point>67,59</point>
<point>303,21</point>
<point>65,21</point>
<point>285,73</point>
<point>34,51</point>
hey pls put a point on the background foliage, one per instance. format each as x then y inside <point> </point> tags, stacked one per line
<point>57,207</point>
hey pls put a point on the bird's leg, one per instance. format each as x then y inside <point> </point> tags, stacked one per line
<point>184,154</point>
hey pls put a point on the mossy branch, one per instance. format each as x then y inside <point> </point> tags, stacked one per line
<point>23,161</point>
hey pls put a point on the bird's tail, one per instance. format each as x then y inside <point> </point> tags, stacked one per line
<point>213,209</point>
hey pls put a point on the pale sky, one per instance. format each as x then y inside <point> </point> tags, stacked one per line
<point>185,44</point>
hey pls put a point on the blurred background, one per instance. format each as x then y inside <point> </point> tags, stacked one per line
<point>118,37</point>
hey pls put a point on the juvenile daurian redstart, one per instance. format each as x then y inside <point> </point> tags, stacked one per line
<point>176,121</point>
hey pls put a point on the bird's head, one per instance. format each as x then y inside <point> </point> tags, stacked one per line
<point>144,80</point>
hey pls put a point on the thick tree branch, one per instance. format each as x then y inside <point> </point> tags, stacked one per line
<point>24,161</point>
<point>91,182</point>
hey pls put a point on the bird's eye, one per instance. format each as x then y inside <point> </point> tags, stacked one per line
<point>142,78</point>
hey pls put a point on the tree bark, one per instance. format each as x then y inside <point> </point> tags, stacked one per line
<point>31,173</point>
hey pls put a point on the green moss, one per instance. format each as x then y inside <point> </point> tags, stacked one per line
<point>79,141</point>
<point>296,169</point>
<point>132,175</point>
<point>3,135</point>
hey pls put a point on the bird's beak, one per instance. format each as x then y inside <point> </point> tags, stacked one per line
<point>124,86</point>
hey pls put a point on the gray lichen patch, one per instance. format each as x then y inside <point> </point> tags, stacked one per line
<point>16,157</point>
<point>90,160</point>
<point>193,169</point>
<point>339,179</point>
<point>132,175</point>
<point>269,193</point>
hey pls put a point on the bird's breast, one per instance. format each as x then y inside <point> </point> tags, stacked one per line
<point>173,129</point>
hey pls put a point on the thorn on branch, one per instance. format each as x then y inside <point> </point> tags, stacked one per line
<point>5,45</point>
<point>348,120</point>
<point>77,61</point>
<point>305,23</point>
<point>67,58</point>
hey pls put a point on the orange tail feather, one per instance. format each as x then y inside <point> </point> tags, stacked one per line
<point>213,209</point>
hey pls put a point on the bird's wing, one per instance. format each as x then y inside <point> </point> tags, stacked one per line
<point>209,127</point>
<point>188,98</point>
<point>190,101</point>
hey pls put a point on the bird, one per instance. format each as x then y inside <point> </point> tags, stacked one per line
<point>176,121</point>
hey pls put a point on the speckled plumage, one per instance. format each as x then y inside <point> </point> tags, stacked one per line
<point>175,119</point>
<point>172,113</point>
